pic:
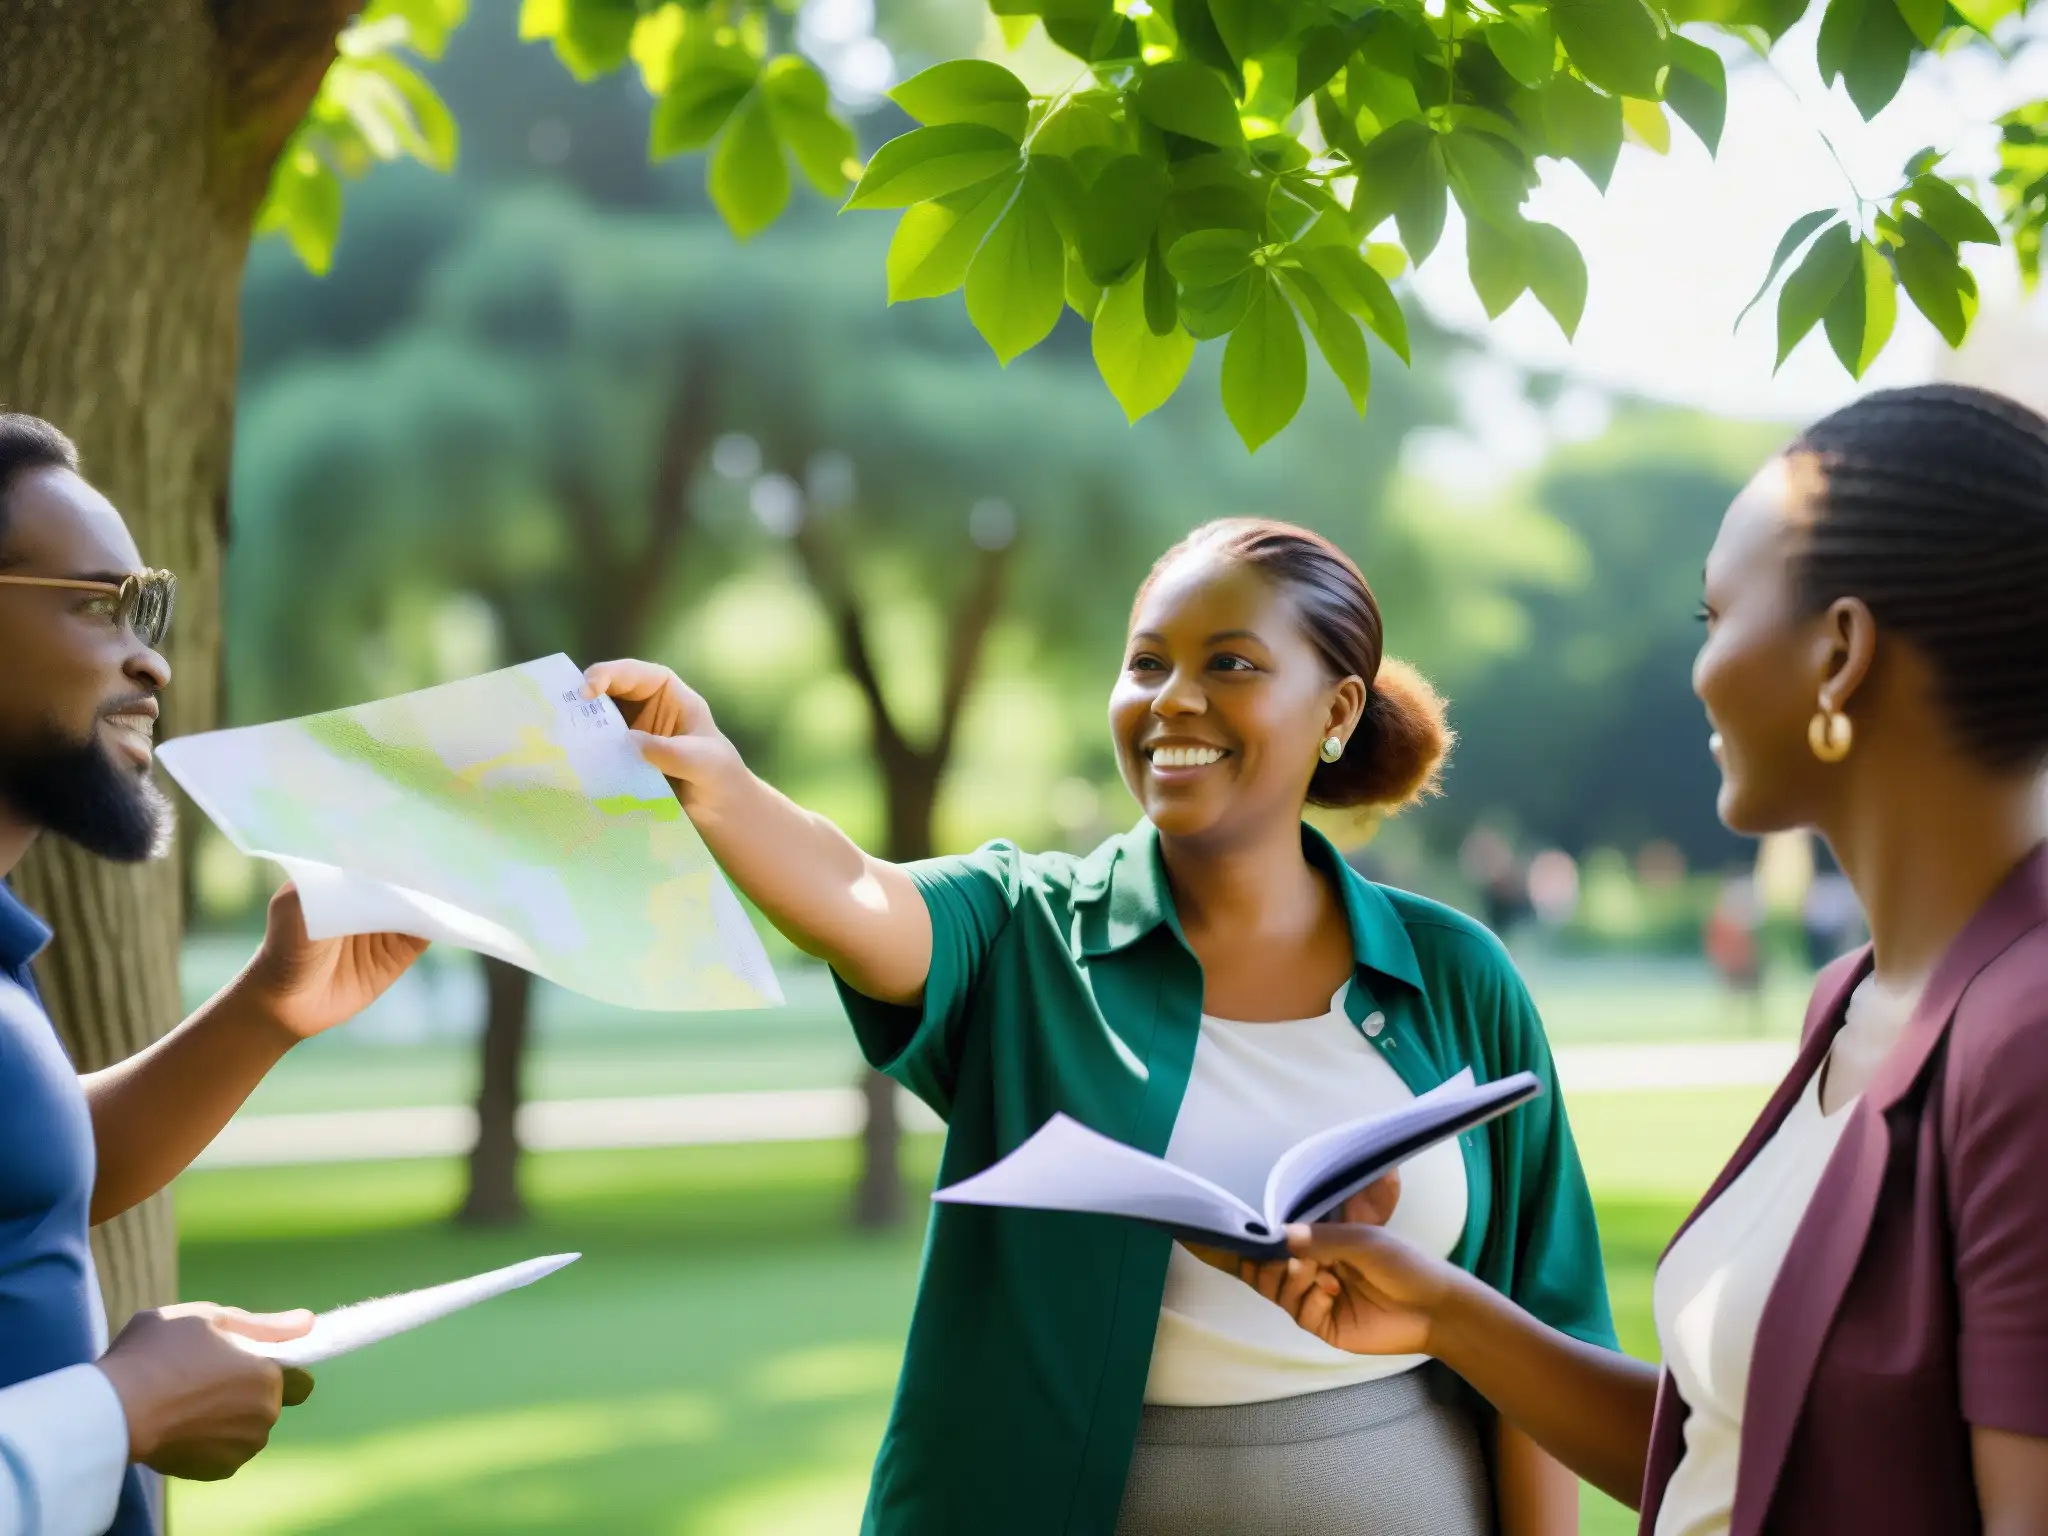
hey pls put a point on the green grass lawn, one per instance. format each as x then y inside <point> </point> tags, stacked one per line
<point>718,1365</point>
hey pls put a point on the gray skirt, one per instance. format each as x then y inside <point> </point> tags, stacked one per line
<point>1395,1457</point>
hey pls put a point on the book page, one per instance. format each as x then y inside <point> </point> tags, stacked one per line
<point>1319,1174</point>
<point>368,1322</point>
<point>1067,1167</point>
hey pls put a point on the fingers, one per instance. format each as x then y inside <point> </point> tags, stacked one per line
<point>1300,1279</point>
<point>679,757</point>
<point>1374,1205</point>
<point>1332,1242</point>
<point>298,1386</point>
<point>633,681</point>
<point>652,698</point>
<point>270,1327</point>
<point>1318,1309</point>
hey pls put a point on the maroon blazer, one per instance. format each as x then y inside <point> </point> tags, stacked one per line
<point>1914,1300</point>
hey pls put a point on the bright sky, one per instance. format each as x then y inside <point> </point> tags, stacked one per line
<point>1680,243</point>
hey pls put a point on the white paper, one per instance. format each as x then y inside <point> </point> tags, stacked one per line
<point>505,814</point>
<point>1065,1166</point>
<point>369,1322</point>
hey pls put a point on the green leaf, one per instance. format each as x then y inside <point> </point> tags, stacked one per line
<point>304,205</point>
<point>1084,295</point>
<point>802,111</point>
<point>1616,44</point>
<point>1357,287</point>
<point>1217,310</point>
<point>1386,258</point>
<point>1198,35</point>
<point>1953,216</point>
<point>427,22</point>
<point>1923,18</point>
<point>1162,298</point>
<point>1141,368</point>
<point>1489,176</point>
<point>1211,256</point>
<point>1796,236</point>
<point>748,183</point>
<point>1697,89</point>
<point>1812,287</point>
<point>1940,286</point>
<point>1525,44</point>
<point>1644,122</point>
<point>1420,217</point>
<point>934,242</point>
<point>1190,99</point>
<point>591,37</point>
<point>1987,14</point>
<point>1494,258</point>
<point>429,130</point>
<point>1583,126</point>
<point>930,162</point>
<point>1386,171</point>
<point>1337,336</point>
<point>1117,216</point>
<point>1265,367</point>
<point>1859,321</point>
<point>1110,36</point>
<point>966,91</point>
<point>1016,284</point>
<point>1557,274</point>
<point>697,104</point>
<point>1073,130</point>
<point>1867,45</point>
<point>1249,27</point>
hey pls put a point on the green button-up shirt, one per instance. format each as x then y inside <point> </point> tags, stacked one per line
<point>1064,983</point>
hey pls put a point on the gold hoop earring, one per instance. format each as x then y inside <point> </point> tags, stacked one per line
<point>1830,735</point>
<point>1333,748</point>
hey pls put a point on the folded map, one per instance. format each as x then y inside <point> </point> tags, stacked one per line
<point>506,814</point>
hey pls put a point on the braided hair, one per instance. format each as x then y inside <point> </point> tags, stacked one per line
<point>1932,508</point>
<point>1396,754</point>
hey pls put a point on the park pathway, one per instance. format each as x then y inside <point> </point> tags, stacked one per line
<point>826,1114</point>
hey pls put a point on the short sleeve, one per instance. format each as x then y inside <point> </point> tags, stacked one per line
<point>970,898</point>
<point>1550,1239</point>
<point>2000,1220</point>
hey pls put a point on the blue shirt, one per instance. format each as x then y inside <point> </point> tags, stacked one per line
<point>50,1314</point>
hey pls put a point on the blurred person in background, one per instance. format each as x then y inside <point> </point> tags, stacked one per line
<point>1733,938</point>
<point>1855,1319</point>
<point>1831,918</point>
<point>81,621</point>
<point>1209,987</point>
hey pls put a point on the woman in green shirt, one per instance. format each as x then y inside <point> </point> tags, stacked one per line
<point>1209,987</point>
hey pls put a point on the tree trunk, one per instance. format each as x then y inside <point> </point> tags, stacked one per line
<point>494,1198</point>
<point>135,142</point>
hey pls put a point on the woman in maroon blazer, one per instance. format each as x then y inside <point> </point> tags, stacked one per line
<point>1855,1320</point>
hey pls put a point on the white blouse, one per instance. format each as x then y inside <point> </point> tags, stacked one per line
<point>1254,1091</point>
<point>1712,1286</point>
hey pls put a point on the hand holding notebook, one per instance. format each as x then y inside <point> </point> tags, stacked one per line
<point>1065,1166</point>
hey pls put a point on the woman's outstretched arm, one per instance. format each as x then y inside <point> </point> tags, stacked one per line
<point>860,915</point>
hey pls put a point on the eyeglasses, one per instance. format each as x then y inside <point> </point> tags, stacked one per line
<point>143,602</point>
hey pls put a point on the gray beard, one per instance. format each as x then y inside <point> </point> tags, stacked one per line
<point>80,792</point>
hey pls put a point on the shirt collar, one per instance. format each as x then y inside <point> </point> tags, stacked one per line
<point>1124,885</point>
<point>22,933</point>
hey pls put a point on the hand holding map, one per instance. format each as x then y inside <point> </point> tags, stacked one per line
<point>506,814</point>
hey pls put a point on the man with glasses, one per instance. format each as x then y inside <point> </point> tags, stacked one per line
<point>81,620</point>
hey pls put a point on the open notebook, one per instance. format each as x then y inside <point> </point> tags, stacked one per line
<point>1067,1167</point>
<point>368,1322</point>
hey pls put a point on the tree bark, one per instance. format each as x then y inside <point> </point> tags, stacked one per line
<point>134,150</point>
<point>911,777</point>
<point>494,1198</point>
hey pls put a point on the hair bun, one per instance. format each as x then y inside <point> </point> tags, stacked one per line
<point>1396,756</point>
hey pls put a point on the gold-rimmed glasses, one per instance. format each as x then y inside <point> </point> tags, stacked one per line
<point>143,602</point>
